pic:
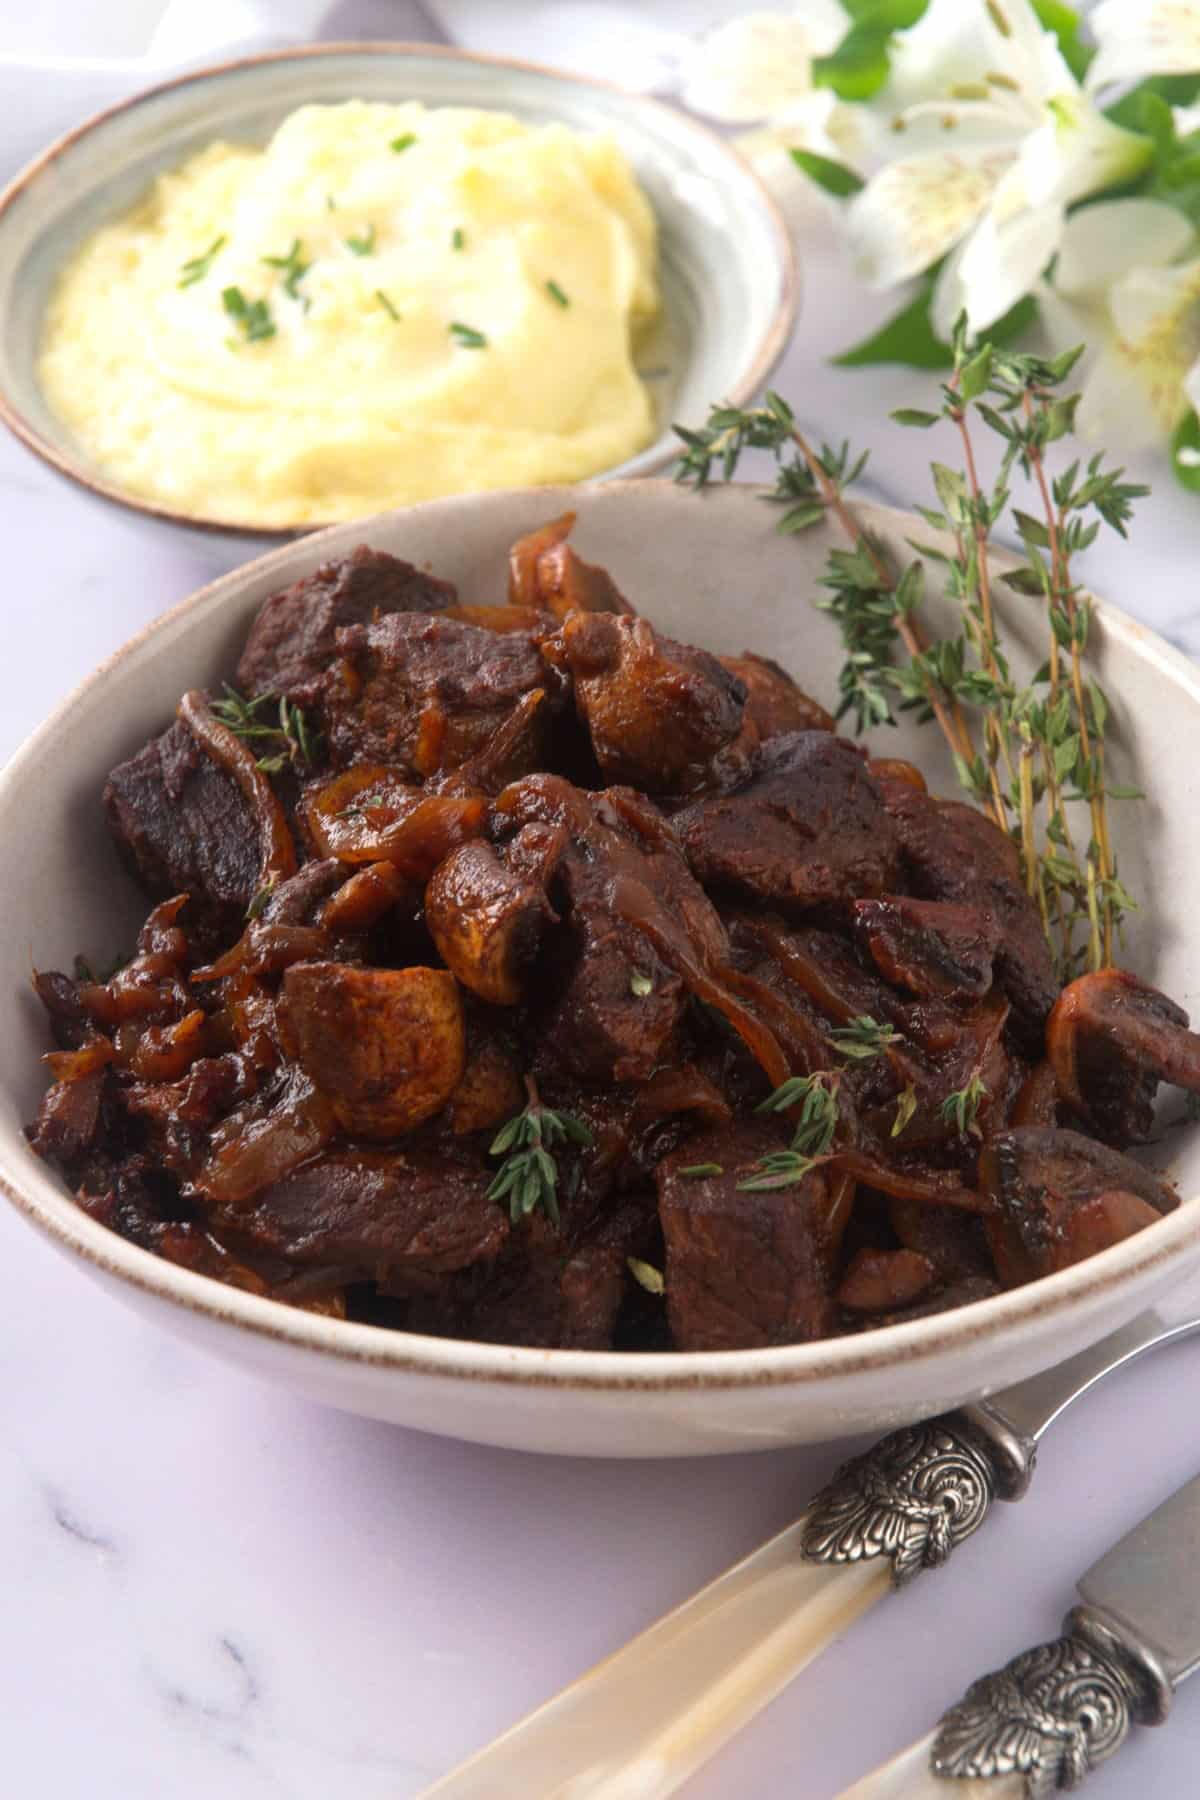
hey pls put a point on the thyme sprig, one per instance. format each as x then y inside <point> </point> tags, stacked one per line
<point>817,1097</point>
<point>862,1038</point>
<point>528,1176</point>
<point>295,740</point>
<point>1031,754</point>
<point>961,1108</point>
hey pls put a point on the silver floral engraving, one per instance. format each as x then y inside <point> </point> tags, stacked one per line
<point>912,1498</point>
<point>1050,1715</point>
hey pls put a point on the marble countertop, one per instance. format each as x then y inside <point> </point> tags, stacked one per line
<point>211,1587</point>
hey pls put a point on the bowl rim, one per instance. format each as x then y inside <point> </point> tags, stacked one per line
<point>764,359</point>
<point>40,1196</point>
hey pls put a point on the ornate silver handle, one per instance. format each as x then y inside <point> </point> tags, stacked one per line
<point>1037,1726</point>
<point>917,1494</point>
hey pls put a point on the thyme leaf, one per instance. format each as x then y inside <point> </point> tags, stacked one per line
<point>528,1176</point>
<point>291,740</point>
<point>197,267</point>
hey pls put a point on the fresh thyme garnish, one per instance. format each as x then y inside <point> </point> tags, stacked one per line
<point>906,1106</point>
<point>779,1169</point>
<point>467,336</point>
<point>695,1170</point>
<point>294,269</point>
<point>253,317</point>
<point>198,266</point>
<point>646,1275</point>
<point>405,141</point>
<point>960,1108</point>
<point>387,305</point>
<point>863,1038</point>
<point>458,238</point>
<point>528,1177</point>
<point>258,904</point>
<point>362,246</point>
<point>640,984</point>
<point>296,741</point>
<point>1029,754</point>
<point>817,1097</point>
<point>330,203</point>
<point>556,293</point>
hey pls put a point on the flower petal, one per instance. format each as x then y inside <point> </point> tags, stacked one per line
<point>916,209</point>
<point>997,265</point>
<point>1137,389</point>
<point>1077,151</point>
<point>963,44</point>
<point>1099,242</point>
<point>1144,37</point>
<point>749,68</point>
<point>817,121</point>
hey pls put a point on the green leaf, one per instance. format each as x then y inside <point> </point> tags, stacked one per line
<point>893,15</point>
<point>909,337</point>
<point>1064,22</point>
<point>1185,444</point>
<point>975,375</point>
<point>859,66</point>
<point>834,177</point>
<point>912,415</point>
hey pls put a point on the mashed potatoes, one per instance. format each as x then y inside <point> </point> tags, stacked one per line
<point>384,305</point>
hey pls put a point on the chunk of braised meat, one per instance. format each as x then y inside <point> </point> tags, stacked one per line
<point>950,851</point>
<point>293,640</point>
<point>487,921</point>
<point>608,1000</point>
<point>544,572</point>
<point>743,1269</point>
<point>880,1281</point>
<point>1057,1197</point>
<point>935,948</point>
<point>954,1243</point>
<point>657,711</point>
<point>183,825</point>
<point>381,1213</point>
<point>386,1047</point>
<point>1111,1039</point>
<point>490,1089</point>
<point>425,693</point>
<point>69,1117</point>
<point>807,828</point>
<point>774,704</point>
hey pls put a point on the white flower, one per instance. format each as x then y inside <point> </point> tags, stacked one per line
<point>753,67</point>
<point>1119,286</point>
<point>992,139</point>
<point>1137,38</point>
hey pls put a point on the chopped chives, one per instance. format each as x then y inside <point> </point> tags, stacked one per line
<point>467,336</point>
<point>404,142</point>
<point>556,293</point>
<point>387,305</point>
<point>197,267</point>
<point>458,238</point>
<point>362,246</point>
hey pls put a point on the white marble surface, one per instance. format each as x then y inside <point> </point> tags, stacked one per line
<point>210,1587</point>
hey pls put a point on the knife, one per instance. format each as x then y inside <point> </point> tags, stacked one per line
<point>645,1719</point>
<point>1051,1715</point>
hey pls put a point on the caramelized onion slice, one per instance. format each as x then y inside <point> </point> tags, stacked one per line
<point>372,815</point>
<point>252,1148</point>
<point>277,851</point>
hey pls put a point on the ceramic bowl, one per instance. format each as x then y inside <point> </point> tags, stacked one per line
<point>708,568</point>
<point>729,282</point>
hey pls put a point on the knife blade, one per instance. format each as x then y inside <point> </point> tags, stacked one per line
<point>1053,1714</point>
<point>646,1718</point>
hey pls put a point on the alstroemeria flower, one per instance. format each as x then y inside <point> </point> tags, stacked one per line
<point>1119,286</point>
<point>985,162</point>
<point>755,66</point>
<point>1137,38</point>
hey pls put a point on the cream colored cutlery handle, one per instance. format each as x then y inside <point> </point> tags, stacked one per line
<point>910,1777</point>
<point>637,1725</point>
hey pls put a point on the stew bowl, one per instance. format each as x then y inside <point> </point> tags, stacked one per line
<point>710,569</point>
<point>728,275</point>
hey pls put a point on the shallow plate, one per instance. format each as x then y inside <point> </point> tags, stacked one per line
<point>710,569</point>
<point>729,282</point>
